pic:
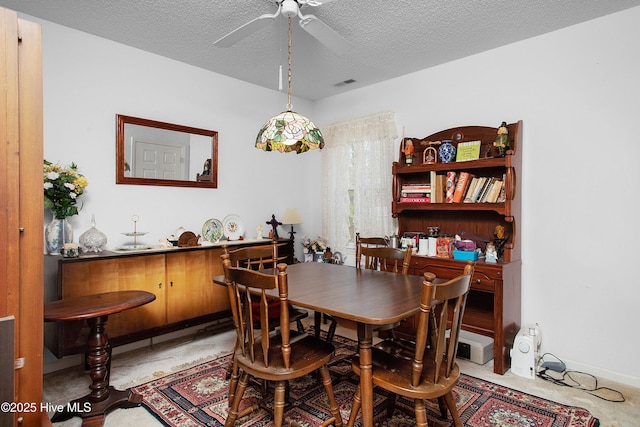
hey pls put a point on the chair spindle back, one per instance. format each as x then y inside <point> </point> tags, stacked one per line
<point>246,286</point>
<point>386,259</point>
<point>449,299</point>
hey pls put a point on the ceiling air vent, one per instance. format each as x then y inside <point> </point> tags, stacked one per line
<point>345,82</point>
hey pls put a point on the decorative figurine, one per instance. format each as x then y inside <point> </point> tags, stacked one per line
<point>408,151</point>
<point>259,232</point>
<point>430,155</point>
<point>499,239</point>
<point>490,254</point>
<point>274,224</point>
<point>502,141</point>
<point>206,169</point>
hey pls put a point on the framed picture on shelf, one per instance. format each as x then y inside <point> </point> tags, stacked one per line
<point>469,150</point>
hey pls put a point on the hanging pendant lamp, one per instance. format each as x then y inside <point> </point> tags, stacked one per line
<point>289,131</point>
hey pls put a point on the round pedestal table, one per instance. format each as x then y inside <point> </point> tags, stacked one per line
<point>95,309</point>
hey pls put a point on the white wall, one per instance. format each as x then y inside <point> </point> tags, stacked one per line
<point>88,80</point>
<point>577,91</point>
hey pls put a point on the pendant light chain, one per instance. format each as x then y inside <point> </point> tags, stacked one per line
<point>289,76</point>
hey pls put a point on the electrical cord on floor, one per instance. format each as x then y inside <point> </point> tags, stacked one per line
<point>568,379</point>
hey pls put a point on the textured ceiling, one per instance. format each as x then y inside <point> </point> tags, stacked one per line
<point>388,38</point>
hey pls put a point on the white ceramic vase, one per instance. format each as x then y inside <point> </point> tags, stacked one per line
<point>56,234</point>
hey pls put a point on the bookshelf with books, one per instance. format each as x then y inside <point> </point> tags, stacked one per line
<point>489,200</point>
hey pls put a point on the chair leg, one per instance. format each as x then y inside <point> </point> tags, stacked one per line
<point>333,404</point>
<point>391,404</point>
<point>332,330</point>
<point>233,380</point>
<point>451,404</point>
<point>442,404</point>
<point>231,362</point>
<point>421,413</point>
<point>355,407</point>
<point>300,326</point>
<point>278,403</point>
<point>233,410</point>
<point>317,317</point>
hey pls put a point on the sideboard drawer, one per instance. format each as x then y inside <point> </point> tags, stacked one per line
<point>482,282</point>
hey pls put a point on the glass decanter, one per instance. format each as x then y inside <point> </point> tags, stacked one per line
<point>93,240</point>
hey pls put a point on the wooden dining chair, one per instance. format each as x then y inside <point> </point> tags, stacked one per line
<point>259,258</point>
<point>368,242</point>
<point>385,259</point>
<point>271,357</point>
<point>432,371</point>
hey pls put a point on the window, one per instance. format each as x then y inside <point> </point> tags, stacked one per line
<point>356,179</point>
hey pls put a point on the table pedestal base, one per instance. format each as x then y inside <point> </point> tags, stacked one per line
<point>93,413</point>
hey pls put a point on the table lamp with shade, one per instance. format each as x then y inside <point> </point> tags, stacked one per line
<point>291,216</point>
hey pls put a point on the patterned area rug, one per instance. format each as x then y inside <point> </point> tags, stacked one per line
<point>198,397</point>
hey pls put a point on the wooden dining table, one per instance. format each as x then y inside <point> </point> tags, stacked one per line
<point>366,297</point>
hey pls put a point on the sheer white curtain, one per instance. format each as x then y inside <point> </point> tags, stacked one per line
<point>356,178</point>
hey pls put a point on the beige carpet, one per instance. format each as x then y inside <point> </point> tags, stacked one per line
<point>138,366</point>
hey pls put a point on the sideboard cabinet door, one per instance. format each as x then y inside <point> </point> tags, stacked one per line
<point>113,274</point>
<point>190,290</point>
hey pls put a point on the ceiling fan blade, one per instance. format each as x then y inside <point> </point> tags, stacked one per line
<point>324,34</point>
<point>243,31</point>
<point>314,2</point>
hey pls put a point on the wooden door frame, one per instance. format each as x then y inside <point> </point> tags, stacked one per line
<point>22,219</point>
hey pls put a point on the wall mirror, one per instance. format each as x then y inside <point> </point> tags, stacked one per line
<point>149,152</point>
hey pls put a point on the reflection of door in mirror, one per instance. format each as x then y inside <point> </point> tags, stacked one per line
<point>157,153</point>
<point>149,152</point>
<point>154,160</point>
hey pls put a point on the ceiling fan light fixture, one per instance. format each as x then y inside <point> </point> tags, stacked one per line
<point>289,8</point>
<point>289,131</point>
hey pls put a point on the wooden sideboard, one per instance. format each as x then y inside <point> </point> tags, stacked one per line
<point>180,278</point>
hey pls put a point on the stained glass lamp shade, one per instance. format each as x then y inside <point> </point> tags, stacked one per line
<point>289,131</point>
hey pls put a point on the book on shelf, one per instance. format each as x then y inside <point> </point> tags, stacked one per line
<point>476,186</point>
<point>440,188</point>
<point>416,188</point>
<point>494,192</point>
<point>427,194</point>
<point>464,179</point>
<point>502,195</point>
<point>450,186</point>
<point>482,196</point>
<point>472,186</point>
<point>415,199</point>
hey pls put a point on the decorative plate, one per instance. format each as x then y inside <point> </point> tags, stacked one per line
<point>233,227</point>
<point>136,233</point>
<point>212,230</point>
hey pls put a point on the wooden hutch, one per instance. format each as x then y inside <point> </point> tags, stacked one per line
<point>493,305</point>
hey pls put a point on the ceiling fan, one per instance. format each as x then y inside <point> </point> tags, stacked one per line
<point>290,8</point>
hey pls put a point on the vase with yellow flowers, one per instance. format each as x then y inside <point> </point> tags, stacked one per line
<point>62,187</point>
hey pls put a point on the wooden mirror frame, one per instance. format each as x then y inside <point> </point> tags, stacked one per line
<point>122,120</point>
